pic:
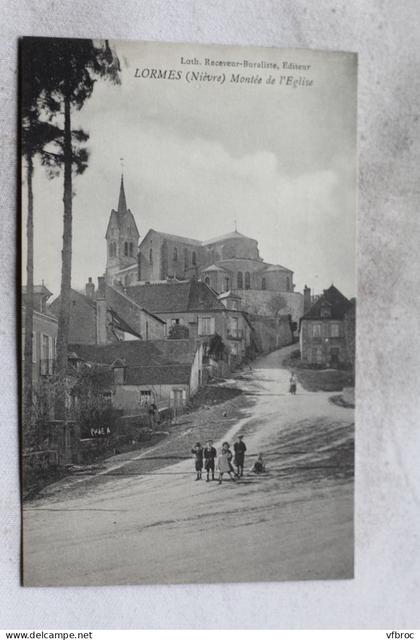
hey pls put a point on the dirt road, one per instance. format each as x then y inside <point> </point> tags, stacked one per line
<point>295,522</point>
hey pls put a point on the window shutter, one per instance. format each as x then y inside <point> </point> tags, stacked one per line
<point>50,355</point>
<point>212,326</point>
<point>34,347</point>
<point>200,326</point>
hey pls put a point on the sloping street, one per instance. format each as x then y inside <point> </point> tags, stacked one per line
<point>294,522</point>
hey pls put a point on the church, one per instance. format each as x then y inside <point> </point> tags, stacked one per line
<point>227,263</point>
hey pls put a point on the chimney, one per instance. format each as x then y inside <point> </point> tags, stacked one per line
<point>90,289</point>
<point>306,299</point>
<point>101,313</point>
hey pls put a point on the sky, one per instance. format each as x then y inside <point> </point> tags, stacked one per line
<point>197,156</point>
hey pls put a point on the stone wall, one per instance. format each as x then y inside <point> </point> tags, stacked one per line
<point>269,303</point>
<point>271,333</point>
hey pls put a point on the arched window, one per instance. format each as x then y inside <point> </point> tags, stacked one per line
<point>126,248</point>
<point>207,280</point>
<point>151,255</point>
<point>247,280</point>
<point>263,284</point>
<point>175,257</point>
<point>194,258</point>
<point>240,280</point>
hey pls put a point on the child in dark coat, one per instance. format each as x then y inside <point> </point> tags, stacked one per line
<point>197,452</point>
<point>210,454</point>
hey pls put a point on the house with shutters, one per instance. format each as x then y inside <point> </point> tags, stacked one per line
<point>164,372</point>
<point>44,335</point>
<point>327,330</point>
<point>195,306</point>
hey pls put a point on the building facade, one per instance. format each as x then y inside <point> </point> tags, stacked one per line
<point>44,335</point>
<point>108,315</point>
<point>164,372</point>
<point>326,331</point>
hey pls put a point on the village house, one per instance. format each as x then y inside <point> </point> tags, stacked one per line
<point>108,315</point>
<point>44,335</point>
<point>327,330</point>
<point>199,310</point>
<point>164,372</point>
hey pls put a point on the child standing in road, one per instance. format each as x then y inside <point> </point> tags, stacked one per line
<point>224,462</point>
<point>210,454</point>
<point>197,452</point>
<point>239,447</point>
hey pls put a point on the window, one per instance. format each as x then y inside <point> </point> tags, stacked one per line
<point>174,321</point>
<point>335,330</point>
<point>206,326</point>
<point>112,250</point>
<point>317,355</point>
<point>194,258</point>
<point>247,280</point>
<point>145,397</point>
<point>130,247</point>
<point>234,328</point>
<point>151,255</point>
<point>287,283</point>
<point>240,280</point>
<point>175,256</point>
<point>119,375</point>
<point>147,330</point>
<point>207,280</point>
<point>226,284</point>
<point>186,258</point>
<point>263,284</point>
<point>316,330</point>
<point>126,248</point>
<point>325,311</point>
<point>126,280</point>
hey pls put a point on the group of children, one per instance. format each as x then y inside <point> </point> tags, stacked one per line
<point>206,457</point>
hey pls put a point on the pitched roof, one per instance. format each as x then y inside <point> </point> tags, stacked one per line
<point>213,267</point>
<point>146,361</point>
<point>233,235</point>
<point>173,297</point>
<point>123,304</point>
<point>139,352</point>
<point>120,306</point>
<point>338,304</point>
<point>170,236</point>
<point>38,288</point>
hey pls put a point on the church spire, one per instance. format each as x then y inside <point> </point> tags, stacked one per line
<point>122,204</point>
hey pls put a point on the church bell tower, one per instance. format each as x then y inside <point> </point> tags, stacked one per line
<point>122,238</point>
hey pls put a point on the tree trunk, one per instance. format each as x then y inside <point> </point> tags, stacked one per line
<point>66,255</point>
<point>29,309</point>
